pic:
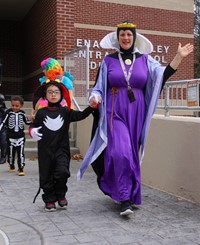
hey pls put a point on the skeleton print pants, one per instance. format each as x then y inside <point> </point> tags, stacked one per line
<point>16,145</point>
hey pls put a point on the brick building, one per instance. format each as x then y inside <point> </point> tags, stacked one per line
<point>51,28</point>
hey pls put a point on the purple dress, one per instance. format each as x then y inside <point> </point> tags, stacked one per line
<point>117,148</point>
<point>121,179</point>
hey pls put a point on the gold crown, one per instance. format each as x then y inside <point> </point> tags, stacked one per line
<point>126,25</point>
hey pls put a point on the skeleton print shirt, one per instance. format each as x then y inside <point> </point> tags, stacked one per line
<point>14,123</point>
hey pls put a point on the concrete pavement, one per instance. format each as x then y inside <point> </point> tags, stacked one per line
<point>91,218</point>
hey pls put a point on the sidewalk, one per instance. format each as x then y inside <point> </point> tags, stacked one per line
<point>90,218</point>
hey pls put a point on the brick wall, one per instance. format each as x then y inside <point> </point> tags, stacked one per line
<point>66,11</point>
<point>50,34</point>
<point>110,14</point>
<point>39,40</point>
<point>48,31</point>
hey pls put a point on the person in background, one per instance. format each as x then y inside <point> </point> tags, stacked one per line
<point>3,131</point>
<point>52,70</point>
<point>14,121</point>
<point>51,129</point>
<point>126,92</point>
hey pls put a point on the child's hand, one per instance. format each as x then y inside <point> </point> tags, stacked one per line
<point>34,133</point>
<point>32,116</point>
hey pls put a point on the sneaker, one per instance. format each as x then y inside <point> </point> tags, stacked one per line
<point>21,172</point>
<point>126,208</point>
<point>2,160</point>
<point>63,202</point>
<point>12,168</point>
<point>50,207</point>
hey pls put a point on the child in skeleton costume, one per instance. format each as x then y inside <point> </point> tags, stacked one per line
<point>14,121</point>
<point>50,128</point>
<point>3,130</point>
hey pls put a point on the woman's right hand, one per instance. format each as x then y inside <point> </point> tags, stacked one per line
<point>94,101</point>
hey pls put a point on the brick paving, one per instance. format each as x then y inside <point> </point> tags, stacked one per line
<point>91,217</point>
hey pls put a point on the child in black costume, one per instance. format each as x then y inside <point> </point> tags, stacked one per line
<point>14,121</point>
<point>51,129</point>
<point>3,130</point>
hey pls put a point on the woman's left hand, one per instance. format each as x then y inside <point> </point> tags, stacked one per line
<point>182,52</point>
<point>185,50</point>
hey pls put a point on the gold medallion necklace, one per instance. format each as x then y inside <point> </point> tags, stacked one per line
<point>128,62</point>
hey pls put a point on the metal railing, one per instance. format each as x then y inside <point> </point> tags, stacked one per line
<point>77,63</point>
<point>180,95</point>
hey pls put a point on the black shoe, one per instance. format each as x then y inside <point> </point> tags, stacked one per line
<point>2,160</point>
<point>21,172</point>
<point>12,168</point>
<point>126,208</point>
<point>63,202</point>
<point>50,207</point>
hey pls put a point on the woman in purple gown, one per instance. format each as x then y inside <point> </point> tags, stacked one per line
<point>126,92</point>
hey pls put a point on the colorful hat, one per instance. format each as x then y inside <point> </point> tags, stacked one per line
<point>54,71</point>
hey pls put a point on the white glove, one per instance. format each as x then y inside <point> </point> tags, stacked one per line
<point>1,125</point>
<point>35,133</point>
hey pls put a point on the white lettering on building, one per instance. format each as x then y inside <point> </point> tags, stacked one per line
<point>94,55</point>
